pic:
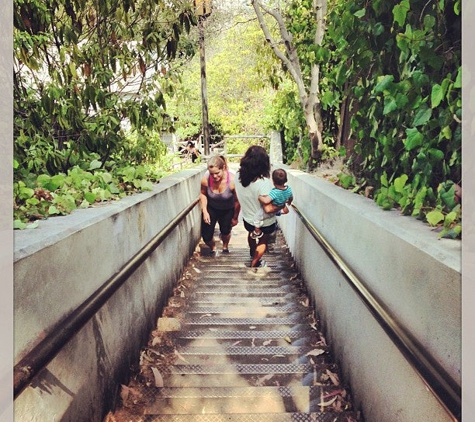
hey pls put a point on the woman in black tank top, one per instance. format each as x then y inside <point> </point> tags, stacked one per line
<point>219,203</point>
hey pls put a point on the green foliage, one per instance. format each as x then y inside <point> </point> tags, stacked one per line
<point>235,93</point>
<point>286,116</point>
<point>90,80</point>
<point>43,196</point>
<point>83,69</point>
<point>399,68</point>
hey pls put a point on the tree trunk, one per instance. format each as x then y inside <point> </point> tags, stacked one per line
<point>308,93</point>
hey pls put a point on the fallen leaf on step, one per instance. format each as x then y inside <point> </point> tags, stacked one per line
<point>327,403</point>
<point>156,340</point>
<point>334,377</point>
<point>158,377</point>
<point>315,352</point>
<point>287,339</point>
<point>265,378</point>
<point>267,342</point>
<point>180,356</point>
<point>124,392</point>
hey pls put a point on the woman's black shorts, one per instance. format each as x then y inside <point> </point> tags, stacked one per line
<point>265,229</point>
<point>222,217</point>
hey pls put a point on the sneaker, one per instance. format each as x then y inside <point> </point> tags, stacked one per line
<point>225,250</point>
<point>261,264</point>
<point>255,235</point>
<point>213,253</point>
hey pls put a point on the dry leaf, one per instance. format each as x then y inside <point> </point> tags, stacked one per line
<point>267,342</point>
<point>287,339</point>
<point>124,392</point>
<point>158,377</point>
<point>327,403</point>
<point>252,327</point>
<point>334,377</point>
<point>180,356</point>
<point>265,378</point>
<point>315,352</point>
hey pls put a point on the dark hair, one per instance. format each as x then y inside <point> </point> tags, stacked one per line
<point>255,164</point>
<point>279,177</point>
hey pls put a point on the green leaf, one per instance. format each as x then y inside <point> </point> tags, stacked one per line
<point>436,153</point>
<point>360,13</point>
<point>437,95</point>
<point>414,139</point>
<point>95,164</point>
<point>458,79</point>
<point>452,233</point>
<point>19,225</point>
<point>446,132</point>
<point>400,12</point>
<point>53,210</point>
<point>58,180</point>
<point>450,218</point>
<point>383,82</point>
<point>400,182</point>
<point>90,197</point>
<point>422,116</point>
<point>390,104</point>
<point>378,29</point>
<point>106,177</point>
<point>434,217</point>
<point>146,185</point>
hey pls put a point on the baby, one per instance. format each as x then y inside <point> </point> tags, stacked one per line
<point>281,195</point>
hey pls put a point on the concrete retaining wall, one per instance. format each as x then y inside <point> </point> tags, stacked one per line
<point>66,259</point>
<point>404,264</point>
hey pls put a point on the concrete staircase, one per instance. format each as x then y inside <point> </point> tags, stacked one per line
<point>237,344</point>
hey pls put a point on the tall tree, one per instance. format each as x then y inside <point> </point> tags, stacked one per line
<point>82,68</point>
<point>285,49</point>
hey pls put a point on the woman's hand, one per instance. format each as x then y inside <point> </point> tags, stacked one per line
<point>206,217</point>
<point>271,208</point>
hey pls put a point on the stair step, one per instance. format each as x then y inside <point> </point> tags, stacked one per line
<point>239,309</point>
<point>222,354</point>
<point>256,417</point>
<point>212,400</point>
<point>243,375</point>
<point>248,348</point>
<point>289,337</point>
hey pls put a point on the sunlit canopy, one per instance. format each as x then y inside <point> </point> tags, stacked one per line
<point>203,7</point>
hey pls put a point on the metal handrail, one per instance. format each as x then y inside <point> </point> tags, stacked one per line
<point>446,390</point>
<point>50,346</point>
